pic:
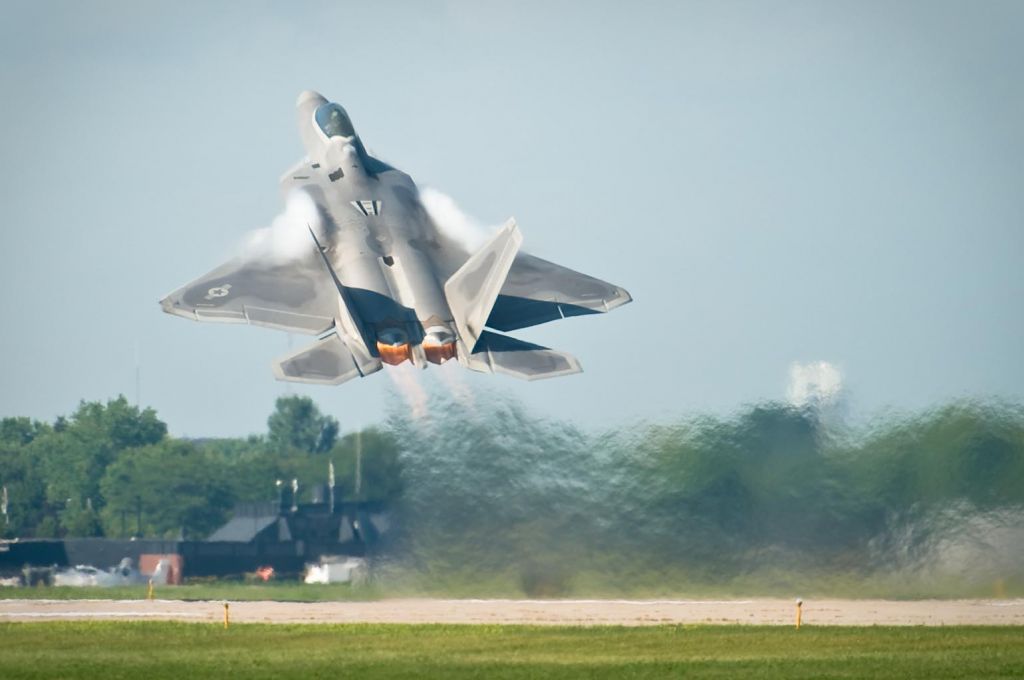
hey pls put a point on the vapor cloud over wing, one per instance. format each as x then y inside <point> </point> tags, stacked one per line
<point>287,238</point>
<point>452,221</point>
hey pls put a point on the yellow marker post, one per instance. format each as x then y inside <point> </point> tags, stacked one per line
<point>226,617</point>
<point>149,592</point>
<point>799,612</point>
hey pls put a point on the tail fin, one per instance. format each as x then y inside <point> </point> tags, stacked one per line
<point>501,354</point>
<point>328,361</point>
<point>473,289</point>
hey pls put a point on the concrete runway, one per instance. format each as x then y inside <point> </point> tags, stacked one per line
<point>542,612</point>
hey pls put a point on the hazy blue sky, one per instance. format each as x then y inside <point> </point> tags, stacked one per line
<point>772,181</point>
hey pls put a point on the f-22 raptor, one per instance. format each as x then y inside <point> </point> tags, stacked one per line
<point>379,283</point>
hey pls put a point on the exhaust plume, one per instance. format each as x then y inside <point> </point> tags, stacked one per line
<point>452,378</point>
<point>406,381</point>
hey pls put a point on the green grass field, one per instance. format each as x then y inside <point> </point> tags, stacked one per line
<point>155,650</point>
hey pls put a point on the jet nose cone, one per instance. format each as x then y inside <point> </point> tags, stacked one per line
<point>308,96</point>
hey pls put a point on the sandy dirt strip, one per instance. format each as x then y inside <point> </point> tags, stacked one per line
<point>564,612</point>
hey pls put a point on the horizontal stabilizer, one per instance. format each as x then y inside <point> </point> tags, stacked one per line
<point>472,290</point>
<point>537,291</point>
<point>502,354</point>
<point>327,362</point>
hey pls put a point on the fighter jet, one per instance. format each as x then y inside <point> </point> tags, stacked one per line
<point>380,283</point>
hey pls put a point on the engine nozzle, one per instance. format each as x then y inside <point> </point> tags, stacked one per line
<point>393,347</point>
<point>439,344</point>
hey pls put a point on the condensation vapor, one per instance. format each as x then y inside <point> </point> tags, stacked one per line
<point>452,221</point>
<point>287,238</point>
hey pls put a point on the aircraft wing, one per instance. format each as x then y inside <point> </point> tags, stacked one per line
<point>537,291</point>
<point>298,296</point>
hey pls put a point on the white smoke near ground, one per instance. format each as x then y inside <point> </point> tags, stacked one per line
<point>816,383</point>
<point>452,222</point>
<point>287,238</point>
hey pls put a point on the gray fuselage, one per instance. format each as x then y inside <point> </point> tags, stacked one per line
<point>379,241</point>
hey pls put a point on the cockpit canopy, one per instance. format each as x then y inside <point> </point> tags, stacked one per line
<point>333,120</point>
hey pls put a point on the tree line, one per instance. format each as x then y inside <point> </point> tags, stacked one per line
<point>110,469</point>
<point>489,490</point>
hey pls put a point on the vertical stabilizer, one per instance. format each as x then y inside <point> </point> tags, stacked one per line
<point>473,289</point>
